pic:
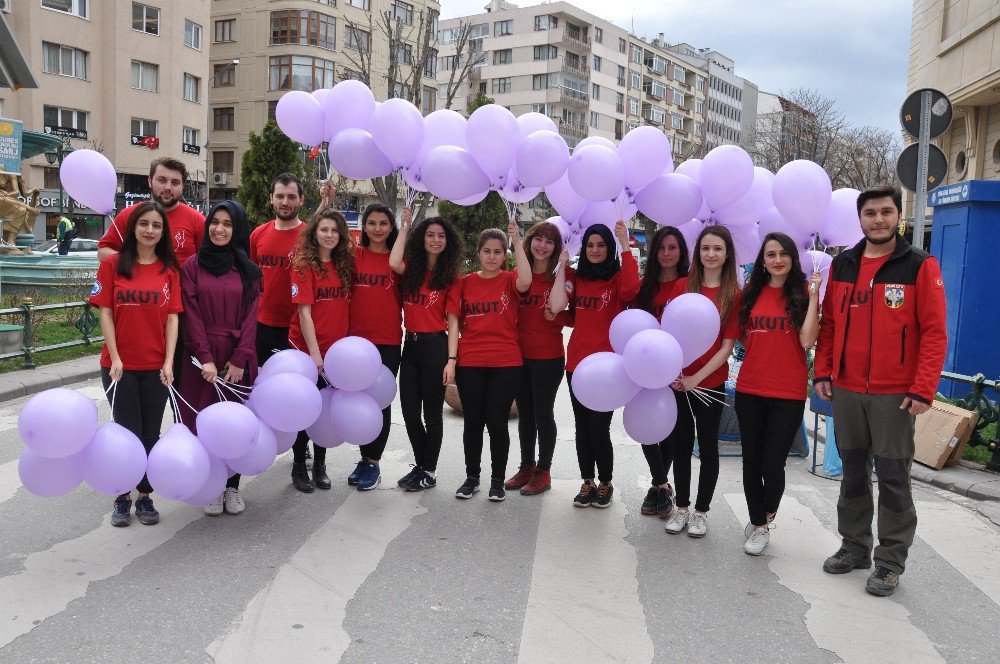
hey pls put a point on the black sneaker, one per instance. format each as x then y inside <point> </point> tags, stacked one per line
<point>419,480</point>
<point>497,492</point>
<point>882,582</point>
<point>121,516</point>
<point>603,495</point>
<point>409,476</point>
<point>586,496</point>
<point>470,487</point>
<point>426,480</point>
<point>649,502</point>
<point>664,502</point>
<point>844,561</point>
<point>145,511</point>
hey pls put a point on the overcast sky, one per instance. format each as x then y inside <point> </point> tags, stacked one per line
<point>853,51</point>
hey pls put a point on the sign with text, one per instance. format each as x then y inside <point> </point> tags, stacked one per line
<point>10,146</point>
<point>66,131</point>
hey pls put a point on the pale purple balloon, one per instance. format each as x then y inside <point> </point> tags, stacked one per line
<point>321,432</point>
<point>596,173</point>
<point>840,226</point>
<point>114,460</point>
<point>772,222</point>
<point>452,173</point>
<point>645,153</point>
<point>596,140</point>
<point>472,200</point>
<point>726,175</point>
<point>350,105</point>
<point>398,131</point>
<point>516,192</point>
<point>746,242</point>
<point>352,364</point>
<point>354,155</point>
<point>817,261</point>
<point>564,199</point>
<point>356,416</point>
<point>444,127</point>
<point>57,423</point>
<point>287,402</point>
<point>753,204</point>
<point>565,229</point>
<point>413,177</point>
<point>801,192</point>
<point>627,324</point>
<point>215,483</point>
<point>598,212</point>
<point>653,359</point>
<point>300,117</point>
<point>493,137</point>
<point>90,178</point>
<point>178,464</point>
<point>289,361</point>
<point>542,158</point>
<point>601,383</point>
<point>575,243</point>
<point>227,429</point>
<point>383,390</point>
<point>651,415</point>
<point>529,123</point>
<point>259,457</point>
<point>693,321</point>
<point>670,199</point>
<point>691,230</point>
<point>284,439</point>
<point>690,168</point>
<point>49,478</point>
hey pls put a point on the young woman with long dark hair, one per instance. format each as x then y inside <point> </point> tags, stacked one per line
<point>601,287</point>
<point>322,275</point>
<point>376,315</point>
<point>713,274</point>
<point>428,258</point>
<point>489,356</point>
<point>544,356</point>
<point>220,288</point>
<point>668,262</point>
<point>779,320</point>
<point>138,291</point>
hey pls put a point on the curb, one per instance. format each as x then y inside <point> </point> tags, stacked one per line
<point>975,484</point>
<point>27,382</point>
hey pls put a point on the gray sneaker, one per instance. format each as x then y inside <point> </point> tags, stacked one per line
<point>757,542</point>
<point>698,524</point>
<point>844,561</point>
<point>215,508</point>
<point>882,581</point>
<point>232,501</point>
<point>677,522</point>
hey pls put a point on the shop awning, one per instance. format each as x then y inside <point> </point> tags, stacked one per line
<point>14,71</point>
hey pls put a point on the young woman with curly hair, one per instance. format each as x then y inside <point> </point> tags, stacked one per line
<point>428,257</point>
<point>322,274</point>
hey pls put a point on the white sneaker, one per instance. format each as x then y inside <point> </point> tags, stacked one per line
<point>214,508</point>
<point>698,525</point>
<point>758,541</point>
<point>677,521</point>
<point>748,530</point>
<point>231,498</point>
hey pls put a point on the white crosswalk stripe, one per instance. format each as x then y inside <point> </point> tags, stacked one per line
<point>967,541</point>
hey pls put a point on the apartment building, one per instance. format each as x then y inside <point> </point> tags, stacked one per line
<point>124,78</point>
<point>261,49</point>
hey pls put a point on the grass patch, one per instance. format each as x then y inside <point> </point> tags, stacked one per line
<point>54,332</point>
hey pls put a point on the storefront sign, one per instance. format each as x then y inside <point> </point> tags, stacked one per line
<point>48,202</point>
<point>188,148</point>
<point>10,146</point>
<point>66,131</point>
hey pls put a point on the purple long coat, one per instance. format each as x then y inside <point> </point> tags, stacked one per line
<point>218,328</point>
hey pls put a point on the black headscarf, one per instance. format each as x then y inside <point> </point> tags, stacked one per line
<point>606,270</point>
<point>220,260</point>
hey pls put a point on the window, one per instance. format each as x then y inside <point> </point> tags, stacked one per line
<point>504,57</point>
<point>404,53</point>
<point>544,81</point>
<point>546,22</point>
<point>428,101</point>
<point>680,74</point>
<point>402,11</point>
<point>635,80</point>
<point>74,7</point>
<point>633,106</point>
<point>656,115</point>
<point>698,128</point>
<point>700,84</point>
<point>145,76</point>
<point>356,39</point>
<point>573,60</point>
<point>430,65</point>
<point>636,55</point>
<point>546,52</point>
<point>501,28</point>
<point>449,35</point>
<point>192,84</point>
<point>595,120</point>
<point>598,35</point>
<point>699,106</point>
<point>450,62</point>
<point>677,122</point>
<point>597,63</point>
<point>479,30</point>
<point>145,19</point>
<point>360,4</point>
<point>621,76</point>
<point>655,89</point>
<point>224,118</point>
<point>223,161</point>
<point>569,117</point>
<point>191,136</point>
<point>619,102</point>
<point>544,109</point>
<point>501,85</point>
<point>656,63</point>
<point>595,91</point>
<point>622,44</point>
<point>225,31</point>
<point>299,72</point>
<point>679,97</point>
<point>224,75</point>
<point>401,90</point>
<point>64,60</point>
<point>303,27</point>
<point>143,127</point>
<point>192,35</point>
<point>482,87</point>
<point>65,122</point>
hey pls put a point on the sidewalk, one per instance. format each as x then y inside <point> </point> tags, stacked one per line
<point>26,382</point>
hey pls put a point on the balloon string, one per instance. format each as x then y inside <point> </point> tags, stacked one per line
<point>326,378</point>
<point>558,265</point>
<point>690,407</point>
<point>173,404</point>
<point>174,395</point>
<point>702,393</point>
<point>113,388</point>
<point>218,392</point>
<point>239,395</point>
<point>236,387</point>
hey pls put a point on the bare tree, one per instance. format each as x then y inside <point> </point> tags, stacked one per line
<point>468,55</point>
<point>870,157</point>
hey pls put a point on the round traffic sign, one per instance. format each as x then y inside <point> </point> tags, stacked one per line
<point>906,166</point>
<point>941,113</point>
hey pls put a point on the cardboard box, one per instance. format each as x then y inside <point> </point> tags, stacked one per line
<point>942,433</point>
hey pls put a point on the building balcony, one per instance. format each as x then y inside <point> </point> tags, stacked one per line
<point>574,98</point>
<point>579,68</point>
<point>570,130</point>
<point>648,117</point>
<point>575,39</point>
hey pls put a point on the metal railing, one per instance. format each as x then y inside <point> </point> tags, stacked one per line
<point>86,323</point>
<point>989,411</point>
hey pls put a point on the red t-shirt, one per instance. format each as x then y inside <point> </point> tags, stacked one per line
<point>594,304</point>
<point>424,311</point>
<point>272,250</point>
<point>140,306</point>
<point>856,365</point>
<point>663,297</point>
<point>330,304</point>
<point>775,363</point>
<point>730,331</point>
<point>376,301</point>
<point>187,226</point>
<point>487,309</point>
<point>540,339</point>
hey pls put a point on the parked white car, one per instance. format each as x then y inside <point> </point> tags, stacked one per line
<point>80,247</point>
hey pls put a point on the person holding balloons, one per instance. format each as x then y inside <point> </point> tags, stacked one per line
<point>321,279</point>
<point>670,262</point>
<point>376,314</point>
<point>779,320</point>
<point>541,340</point>
<point>428,259</point>
<point>713,274</point>
<point>489,356</point>
<point>138,292</point>
<point>220,289</point>
<point>601,286</point>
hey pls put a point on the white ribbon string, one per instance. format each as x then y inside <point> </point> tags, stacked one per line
<point>239,395</point>
<point>113,388</point>
<point>174,396</point>
<point>218,392</point>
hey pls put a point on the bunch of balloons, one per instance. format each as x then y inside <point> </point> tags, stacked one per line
<point>648,357</point>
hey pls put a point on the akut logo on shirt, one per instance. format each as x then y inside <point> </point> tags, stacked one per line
<point>597,303</point>
<point>536,300</point>
<point>133,297</point>
<point>368,280</point>
<point>769,324</point>
<point>179,239</point>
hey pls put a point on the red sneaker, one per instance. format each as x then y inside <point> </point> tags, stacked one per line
<point>541,482</point>
<point>520,478</point>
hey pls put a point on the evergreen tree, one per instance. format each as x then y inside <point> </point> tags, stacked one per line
<point>271,153</point>
<point>471,220</point>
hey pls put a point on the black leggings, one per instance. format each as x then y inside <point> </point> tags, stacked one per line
<point>139,402</point>
<point>487,394</point>
<point>301,443</point>
<point>767,432</point>
<point>660,456</point>
<point>390,357</point>
<point>536,400</point>
<point>593,439</point>
<point>269,339</point>
<point>421,389</point>
<point>707,418</point>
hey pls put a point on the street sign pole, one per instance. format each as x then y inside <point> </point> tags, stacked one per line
<point>920,205</point>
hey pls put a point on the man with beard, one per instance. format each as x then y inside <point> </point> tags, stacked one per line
<point>882,344</point>
<point>167,177</point>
